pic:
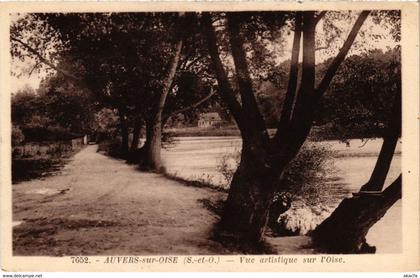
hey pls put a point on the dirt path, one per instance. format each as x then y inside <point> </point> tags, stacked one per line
<point>100,206</point>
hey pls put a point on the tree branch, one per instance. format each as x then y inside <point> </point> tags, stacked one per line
<point>33,68</point>
<point>320,16</point>
<point>307,84</point>
<point>308,96</point>
<point>170,75</point>
<point>45,61</point>
<point>249,103</point>
<point>226,90</point>
<point>293,77</point>
<point>189,65</point>
<point>332,69</point>
<point>189,107</point>
<point>185,59</point>
<point>301,121</point>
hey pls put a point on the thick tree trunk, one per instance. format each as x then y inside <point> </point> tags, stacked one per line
<point>345,230</point>
<point>251,192</point>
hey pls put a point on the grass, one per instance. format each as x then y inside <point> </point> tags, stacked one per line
<point>195,183</point>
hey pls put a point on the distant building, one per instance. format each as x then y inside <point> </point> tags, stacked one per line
<point>209,119</point>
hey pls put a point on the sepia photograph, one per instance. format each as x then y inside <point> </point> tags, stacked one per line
<point>254,132</point>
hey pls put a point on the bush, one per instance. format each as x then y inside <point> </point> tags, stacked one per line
<point>306,175</point>
<point>111,147</point>
<point>17,136</point>
<point>307,186</point>
<point>228,164</point>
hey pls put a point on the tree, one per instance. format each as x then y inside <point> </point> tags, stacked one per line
<point>364,86</point>
<point>69,106</point>
<point>122,58</point>
<point>345,230</point>
<point>54,112</point>
<point>263,159</point>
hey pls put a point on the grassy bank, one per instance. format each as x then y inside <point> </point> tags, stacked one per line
<point>318,133</point>
<point>40,164</point>
<point>33,168</point>
<point>200,131</point>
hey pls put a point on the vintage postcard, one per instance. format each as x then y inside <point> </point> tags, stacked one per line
<point>227,136</point>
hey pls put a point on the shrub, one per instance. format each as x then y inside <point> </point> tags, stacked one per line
<point>111,147</point>
<point>306,175</point>
<point>169,140</point>
<point>301,218</point>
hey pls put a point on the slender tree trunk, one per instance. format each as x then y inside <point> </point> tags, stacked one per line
<point>124,133</point>
<point>345,230</point>
<point>153,147</point>
<point>136,135</point>
<point>144,160</point>
<point>153,151</point>
<point>124,142</point>
<point>148,136</point>
<point>293,78</point>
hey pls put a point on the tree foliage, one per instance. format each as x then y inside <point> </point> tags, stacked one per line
<point>55,112</point>
<point>365,86</point>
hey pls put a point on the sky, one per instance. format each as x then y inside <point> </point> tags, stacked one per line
<point>382,42</point>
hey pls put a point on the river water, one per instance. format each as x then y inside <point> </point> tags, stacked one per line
<point>197,158</point>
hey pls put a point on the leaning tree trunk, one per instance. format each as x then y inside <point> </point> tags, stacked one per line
<point>380,172</point>
<point>345,230</point>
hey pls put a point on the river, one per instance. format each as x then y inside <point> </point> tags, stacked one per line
<point>198,158</point>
